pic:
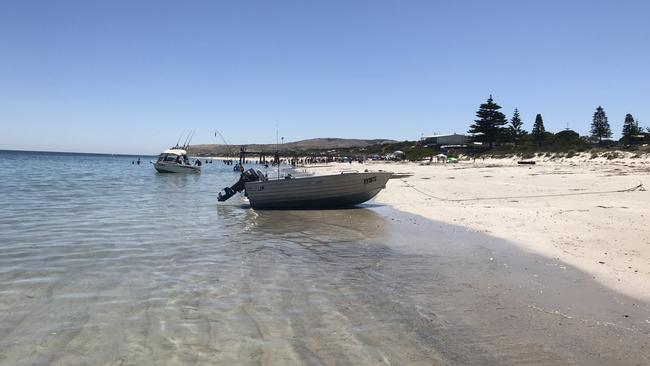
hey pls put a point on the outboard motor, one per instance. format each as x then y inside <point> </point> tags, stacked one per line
<point>249,175</point>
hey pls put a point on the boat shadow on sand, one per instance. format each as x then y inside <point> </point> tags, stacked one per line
<point>457,294</point>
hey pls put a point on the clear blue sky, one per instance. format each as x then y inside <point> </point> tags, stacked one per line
<point>131,76</point>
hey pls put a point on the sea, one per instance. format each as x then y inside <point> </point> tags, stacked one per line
<point>107,262</point>
<point>104,261</point>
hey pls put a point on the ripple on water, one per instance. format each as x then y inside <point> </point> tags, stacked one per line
<point>105,262</point>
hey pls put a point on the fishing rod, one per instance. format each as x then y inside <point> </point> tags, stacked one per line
<point>216,132</point>
<point>185,142</point>
<point>189,140</point>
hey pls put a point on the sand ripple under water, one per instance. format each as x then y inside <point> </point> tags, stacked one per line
<point>106,263</point>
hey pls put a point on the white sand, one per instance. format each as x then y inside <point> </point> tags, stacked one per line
<point>604,234</point>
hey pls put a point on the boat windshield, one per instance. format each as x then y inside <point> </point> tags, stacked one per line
<point>171,158</point>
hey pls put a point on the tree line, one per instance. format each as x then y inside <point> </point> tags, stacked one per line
<point>492,126</point>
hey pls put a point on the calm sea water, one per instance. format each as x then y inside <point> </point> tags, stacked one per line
<point>103,262</point>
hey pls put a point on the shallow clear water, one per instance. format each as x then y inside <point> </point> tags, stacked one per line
<point>106,262</point>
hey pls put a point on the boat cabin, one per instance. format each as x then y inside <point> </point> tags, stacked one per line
<point>177,156</point>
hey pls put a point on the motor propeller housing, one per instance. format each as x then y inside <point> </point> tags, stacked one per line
<point>250,175</point>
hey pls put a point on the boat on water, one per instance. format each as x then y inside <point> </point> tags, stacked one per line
<point>175,160</point>
<point>326,191</point>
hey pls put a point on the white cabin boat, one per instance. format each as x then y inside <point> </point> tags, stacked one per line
<point>327,191</point>
<point>175,161</point>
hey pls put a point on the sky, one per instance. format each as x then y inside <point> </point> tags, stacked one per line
<point>133,76</point>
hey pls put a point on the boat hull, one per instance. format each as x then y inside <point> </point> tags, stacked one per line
<point>176,168</point>
<point>330,191</point>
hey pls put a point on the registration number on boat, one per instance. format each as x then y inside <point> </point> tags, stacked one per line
<point>369,180</point>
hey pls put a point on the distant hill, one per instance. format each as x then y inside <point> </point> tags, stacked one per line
<point>302,145</point>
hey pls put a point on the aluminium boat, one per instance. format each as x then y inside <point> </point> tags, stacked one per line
<point>326,191</point>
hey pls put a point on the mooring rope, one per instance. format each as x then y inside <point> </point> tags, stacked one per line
<point>638,187</point>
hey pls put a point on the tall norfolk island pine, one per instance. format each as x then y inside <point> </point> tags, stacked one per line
<point>489,123</point>
<point>538,129</point>
<point>630,128</point>
<point>516,126</point>
<point>600,125</point>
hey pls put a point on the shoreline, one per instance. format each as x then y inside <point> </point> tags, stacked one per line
<point>516,305</point>
<point>232,285</point>
<point>565,210</point>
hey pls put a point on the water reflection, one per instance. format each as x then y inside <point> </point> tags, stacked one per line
<point>168,181</point>
<point>352,224</point>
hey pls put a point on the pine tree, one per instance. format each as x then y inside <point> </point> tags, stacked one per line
<point>516,130</point>
<point>600,126</point>
<point>630,128</point>
<point>490,122</point>
<point>538,130</point>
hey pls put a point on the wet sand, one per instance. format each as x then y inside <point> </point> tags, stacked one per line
<point>349,287</point>
<point>589,213</point>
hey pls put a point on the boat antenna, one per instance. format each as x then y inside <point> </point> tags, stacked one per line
<point>189,140</point>
<point>185,142</point>
<point>216,132</point>
<point>179,140</point>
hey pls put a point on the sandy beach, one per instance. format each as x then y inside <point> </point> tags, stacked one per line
<point>588,213</point>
